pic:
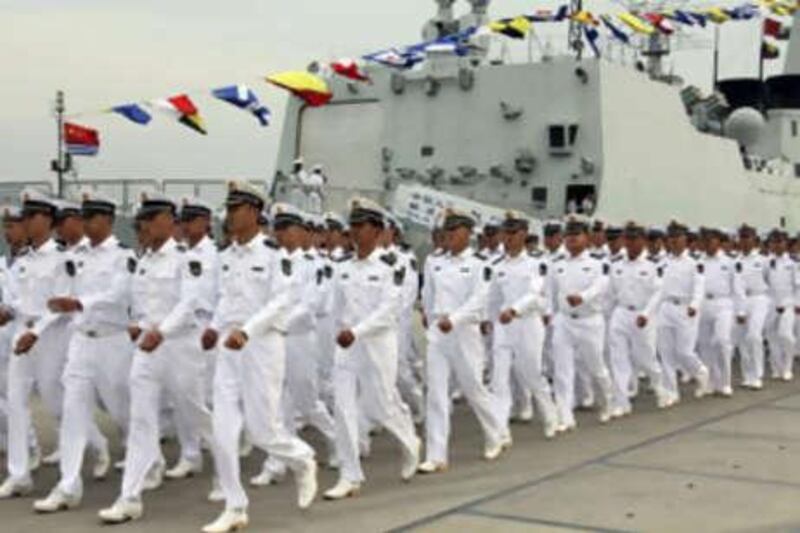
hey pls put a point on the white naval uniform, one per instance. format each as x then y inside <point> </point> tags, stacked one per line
<point>520,285</point>
<point>99,353</point>
<point>783,278</point>
<point>40,275</point>
<point>635,292</point>
<point>460,291</point>
<point>366,298</point>
<point>408,357</point>
<point>207,253</point>
<point>165,298</point>
<point>724,300</point>
<point>257,288</point>
<point>755,271</point>
<point>682,288</point>
<point>579,332</point>
<point>301,402</point>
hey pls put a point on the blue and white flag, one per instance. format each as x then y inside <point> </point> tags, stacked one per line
<point>591,36</point>
<point>399,59</point>
<point>244,98</point>
<point>134,113</point>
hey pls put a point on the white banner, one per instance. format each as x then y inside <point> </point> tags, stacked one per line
<point>420,205</point>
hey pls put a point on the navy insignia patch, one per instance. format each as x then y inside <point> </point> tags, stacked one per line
<point>542,269</point>
<point>399,276</point>
<point>70,266</point>
<point>487,274</point>
<point>700,268</point>
<point>196,268</point>
<point>131,265</point>
<point>328,271</point>
<point>320,276</point>
<point>286,267</point>
<point>390,259</point>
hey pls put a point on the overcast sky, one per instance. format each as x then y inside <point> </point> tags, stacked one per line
<point>107,52</point>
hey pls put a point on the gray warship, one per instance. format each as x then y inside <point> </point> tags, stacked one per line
<point>567,133</point>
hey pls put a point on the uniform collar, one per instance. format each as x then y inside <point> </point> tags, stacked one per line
<point>48,246</point>
<point>109,242</point>
<point>466,252</point>
<point>166,248</point>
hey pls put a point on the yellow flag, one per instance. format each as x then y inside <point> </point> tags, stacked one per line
<point>717,15</point>
<point>636,24</point>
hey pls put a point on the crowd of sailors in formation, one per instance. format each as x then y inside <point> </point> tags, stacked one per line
<point>302,320</point>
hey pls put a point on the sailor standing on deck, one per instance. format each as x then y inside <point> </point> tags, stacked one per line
<point>683,289</point>
<point>164,292</point>
<point>459,290</point>
<point>579,283</point>
<point>257,287</point>
<point>520,291</point>
<point>367,296</point>
<point>99,353</point>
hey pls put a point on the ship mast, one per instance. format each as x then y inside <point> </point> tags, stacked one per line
<point>575,36</point>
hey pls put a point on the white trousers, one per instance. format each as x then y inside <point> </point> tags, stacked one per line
<point>301,402</point>
<point>676,339</point>
<point>578,341</point>
<point>96,367</point>
<point>459,353</point>
<point>248,386</point>
<point>173,370</point>
<point>40,369</point>
<point>631,347</point>
<point>715,341</point>
<point>518,348</point>
<point>781,338</point>
<point>750,338</point>
<point>368,368</point>
<point>407,378</point>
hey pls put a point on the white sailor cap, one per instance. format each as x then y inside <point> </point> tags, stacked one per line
<point>335,221</point>
<point>11,213</point>
<point>365,210</point>
<point>284,215</point>
<point>242,192</point>
<point>153,202</point>
<point>193,207</point>
<point>66,209</point>
<point>515,220</point>
<point>95,203</point>
<point>35,201</point>
<point>456,218</point>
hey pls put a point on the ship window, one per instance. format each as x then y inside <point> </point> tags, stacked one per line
<point>573,134</point>
<point>561,138</point>
<point>797,170</point>
<point>426,151</point>
<point>539,197</point>
<point>556,137</point>
<point>794,128</point>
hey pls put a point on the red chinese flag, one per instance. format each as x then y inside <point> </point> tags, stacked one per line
<point>75,134</point>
